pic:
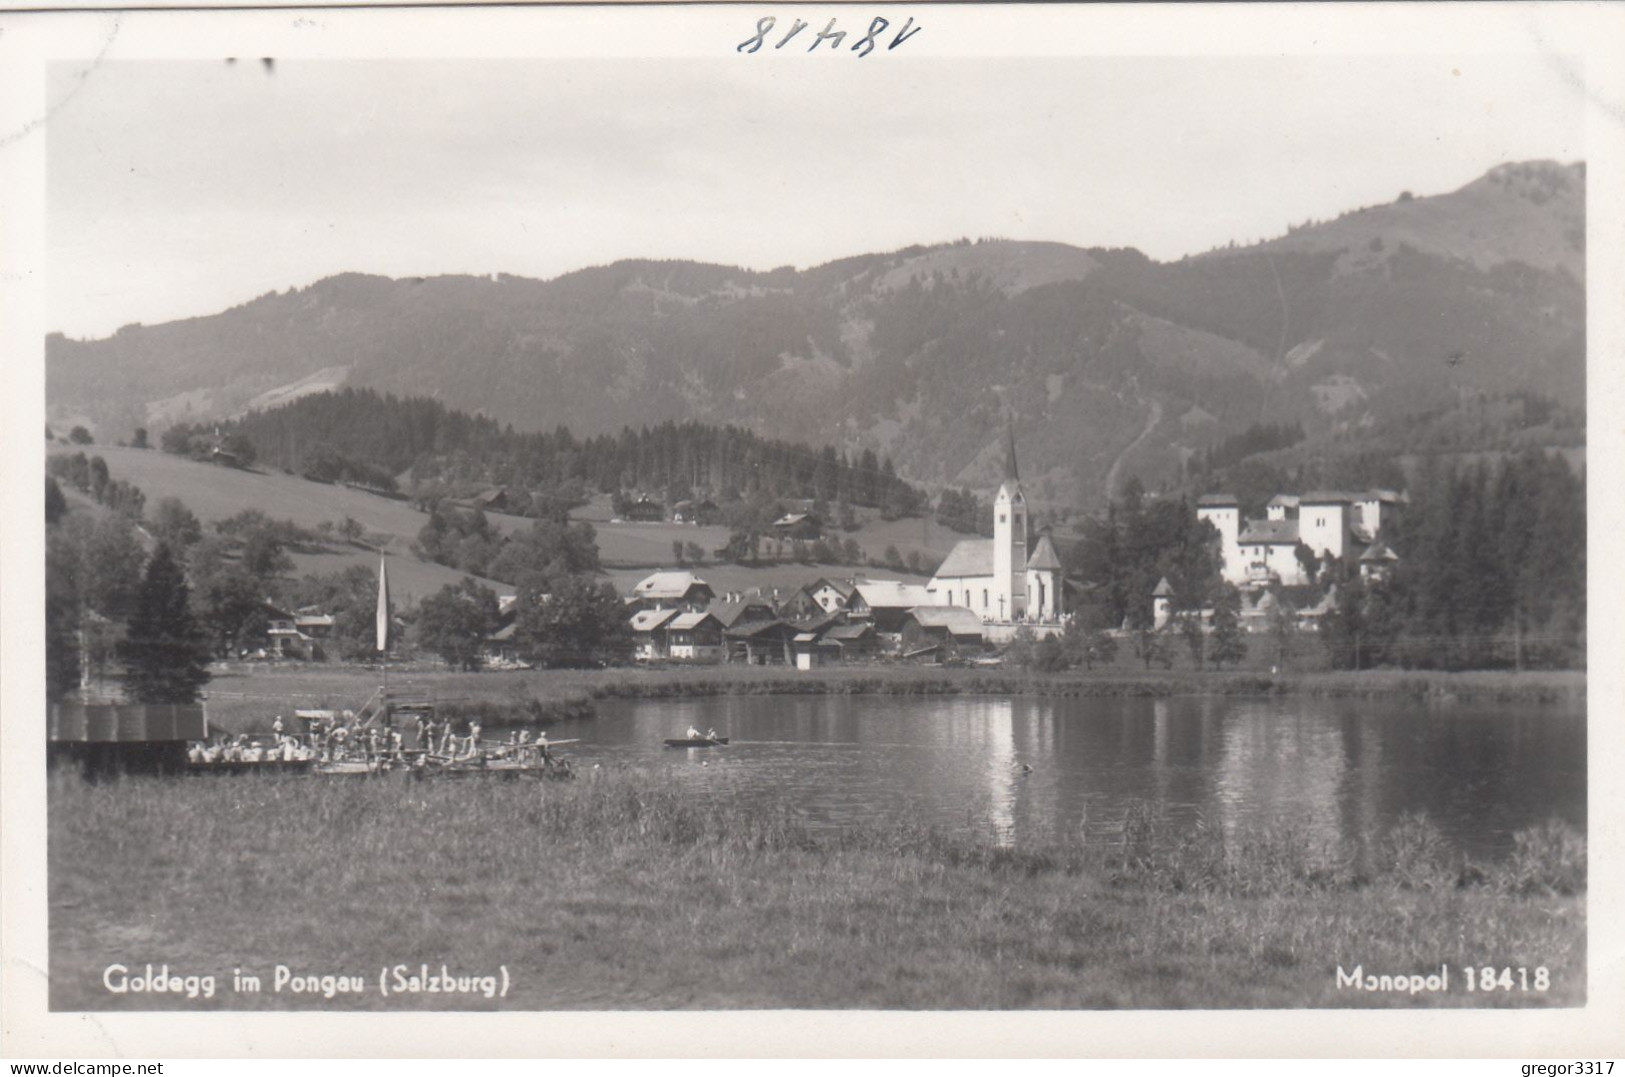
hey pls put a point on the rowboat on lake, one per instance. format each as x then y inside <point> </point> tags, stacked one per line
<point>695,742</point>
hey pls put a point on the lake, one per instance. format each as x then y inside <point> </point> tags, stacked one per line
<point>1344,769</point>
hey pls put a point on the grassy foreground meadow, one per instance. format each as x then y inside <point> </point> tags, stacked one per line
<point>619,891</point>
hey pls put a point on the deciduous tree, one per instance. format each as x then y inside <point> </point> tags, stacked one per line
<point>455,621</point>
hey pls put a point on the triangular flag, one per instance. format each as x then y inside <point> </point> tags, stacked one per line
<point>383,606</point>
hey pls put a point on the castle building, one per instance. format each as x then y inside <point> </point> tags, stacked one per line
<point>1330,524</point>
<point>998,578</point>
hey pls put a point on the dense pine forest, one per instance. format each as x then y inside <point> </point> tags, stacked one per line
<point>379,440</point>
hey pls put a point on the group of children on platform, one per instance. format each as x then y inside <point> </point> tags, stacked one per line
<point>338,740</point>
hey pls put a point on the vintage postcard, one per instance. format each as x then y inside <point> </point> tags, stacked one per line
<point>811,529</point>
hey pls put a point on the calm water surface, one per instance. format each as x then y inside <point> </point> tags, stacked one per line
<point>1345,769</point>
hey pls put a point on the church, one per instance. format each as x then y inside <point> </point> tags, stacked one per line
<point>996,578</point>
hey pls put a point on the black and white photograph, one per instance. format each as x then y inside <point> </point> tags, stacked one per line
<point>698,510</point>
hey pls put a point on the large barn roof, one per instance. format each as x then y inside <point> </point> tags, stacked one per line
<point>667,585</point>
<point>958,620</point>
<point>891,594</point>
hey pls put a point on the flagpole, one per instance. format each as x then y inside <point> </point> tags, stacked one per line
<point>382,624</point>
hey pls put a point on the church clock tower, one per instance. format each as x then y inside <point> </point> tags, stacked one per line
<point>1010,539</point>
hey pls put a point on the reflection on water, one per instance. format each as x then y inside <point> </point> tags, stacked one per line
<point>1343,770</point>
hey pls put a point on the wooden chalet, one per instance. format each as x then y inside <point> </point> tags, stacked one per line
<point>884,603</point>
<point>694,637</point>
<point>853,641</point>
<point>761,643</point>
<point>696,511</point>
<point>798,526</point>
<point>672,590</point>
<point>949,627</point>
<point>645,510</point>
<point>649,636</point>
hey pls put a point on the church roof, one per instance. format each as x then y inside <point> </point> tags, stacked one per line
<point>1012,474</point>
<point>969,557</point>
<point>1044,555</point>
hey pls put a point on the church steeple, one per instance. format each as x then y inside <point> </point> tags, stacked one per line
<point>1010,536</point>
<point>1012,474</point>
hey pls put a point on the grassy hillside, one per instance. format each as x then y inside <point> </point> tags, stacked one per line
<point>629,551</point>
<point>216,493</point>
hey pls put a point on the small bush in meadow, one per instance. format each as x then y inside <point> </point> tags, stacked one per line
<point>1546,859</point>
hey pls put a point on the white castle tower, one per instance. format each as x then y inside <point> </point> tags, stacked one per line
<point>1010,540</point>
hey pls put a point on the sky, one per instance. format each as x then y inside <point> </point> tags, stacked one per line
<point>181,188</point>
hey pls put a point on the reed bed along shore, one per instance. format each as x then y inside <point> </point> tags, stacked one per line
<point>246,698</point>
<point>624,890</point>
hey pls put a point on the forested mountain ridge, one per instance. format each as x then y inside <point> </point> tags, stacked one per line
<point>364,438</point>
<point>1111,363</point>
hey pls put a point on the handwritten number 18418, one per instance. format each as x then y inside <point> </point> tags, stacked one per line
<point>863,46</point>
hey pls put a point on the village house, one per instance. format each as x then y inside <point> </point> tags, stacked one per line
<point>644,510</point>
<point>883,603</point>
<point>495,499</point>
<point>853,640</point>
<point>948,628</point>
<point>694,637</point>
<point>695,511</point>
<point>798,526</point>
<point>998,578</point>
<point>760,643</point>
<point>671,590</point>
<point>502,648</point>
<point>298,634</point>
<point>812,650</point>
<point>817,599</point>
<point>649,637</point>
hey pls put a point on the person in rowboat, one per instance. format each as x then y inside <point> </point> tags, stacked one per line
<point>693,734</point>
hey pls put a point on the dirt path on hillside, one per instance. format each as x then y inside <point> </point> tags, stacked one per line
<point>1117,464</point>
